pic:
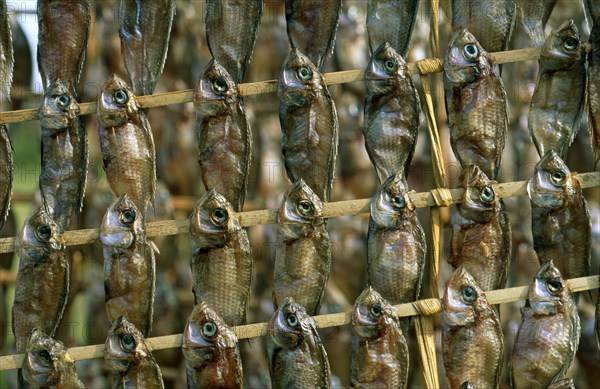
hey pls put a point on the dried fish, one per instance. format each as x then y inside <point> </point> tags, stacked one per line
<point>7,59</point>
<point>6,174</point>
<point>534,16</point>
<point>593,92</point>
<point>592,11</point>
<point>392,22</point>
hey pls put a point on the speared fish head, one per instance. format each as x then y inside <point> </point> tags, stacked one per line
<point>45,360</point>
<point>299,80</point>
<point>290,325</point>
<point>479,200</point>
<point>466,60</point>
<point>463,301</point>
<point>549,292</point>
<point>116,102</point>
<point>39,236</point>
<point>212,220</point>
<point>215,91</point>
<point>122,224</point>
<point>391,202</point>
<point>551,184</point>
<point>385,69</point>
<point>372,315</point>
<point>125,346</point>
<point>58,107</point>
<point>563,47</point>
<point>300,212</point>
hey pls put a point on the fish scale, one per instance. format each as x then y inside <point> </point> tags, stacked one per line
<point>392,22</point>
<point>593,92</point>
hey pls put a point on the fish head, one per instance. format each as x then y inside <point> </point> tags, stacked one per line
<point>290,325</point>
<point>372,315</point>
<point>563,47</point>
<point>58,107</point>
<point>45,360</point>
<point>391,202</point>
<point>39,236</point>
<point>479,200</point>
<point>215,91</point>
<point>549,292</point>
<point>552,183</point>
<point>122,224</point>
<point>205,334</point>
<point>116,102</point>
<point>299,80</point>
<point>384,70</point>
<point>125,346</point>
<point>463,301</point>
<point>466,60</point>
<point>212,220</point>
<point>300,212</point>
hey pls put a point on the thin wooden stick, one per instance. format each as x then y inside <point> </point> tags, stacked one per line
<point>501,296</point>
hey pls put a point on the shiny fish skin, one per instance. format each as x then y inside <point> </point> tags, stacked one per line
<point>42,285</point>
<point>224,135</point>
<point>392,22</point>
<point>592,11</point>
<point>47,364</point>
<point>213,361</point>
<point>221,258</point>
<point>561,224</point>
<point>548,334</point>
<point>7,59</point>
<point>127,145</point>
<point>476,104</point>
<point>309,124</point>
<point>558,99</point>
<point>472,339</point>
<point>64,154</point>
<point>481,235</point>
<point>61,55</point>
<point>231,30</point>
<point>130,358</point>
<point>311,27</point>
<point>491,22</point>
<point>379,348</point>
<point>593,93</point>
<point>129,265</point>
<point>6,174</point>
<point>303,257</point>
<point>297,358</point>
<point>533,15</point>
<point>145,28</point>
<point>392,110</point>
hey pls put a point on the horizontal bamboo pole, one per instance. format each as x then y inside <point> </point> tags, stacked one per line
<point>434,65</point>
<point>335,209</point>
<point>256,330</point>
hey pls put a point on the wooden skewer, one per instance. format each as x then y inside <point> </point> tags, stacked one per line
<point>256,330</point>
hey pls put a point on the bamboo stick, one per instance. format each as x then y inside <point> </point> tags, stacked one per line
<point>502,296</point>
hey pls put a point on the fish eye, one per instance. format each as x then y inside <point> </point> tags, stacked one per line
<point>45,355</point>
<point>558,176</point>
<point>305,208</point>
<point>554,286</point>
<point>292,320</point>
<point>63,100</point>
<point>127,216</point>
<point>398,202</point>
<point>471,51</point>
<point>304,73</point>
<point>468,294</point>
<point>209,329</point>
<point>376,310</point>
<point>220,215</point>
<point>128,342</point>
<point>390,65</point>
<point>220,85</point>
<point>121,96</point>
<point>487,194</point>
<point>43,232</point>
<point>570,44</point>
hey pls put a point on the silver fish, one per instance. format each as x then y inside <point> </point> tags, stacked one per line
<point>592,11</point>
<point>392,22</point>
<point>7,59</point>
<point>6,174</point>
<point>534,15</point>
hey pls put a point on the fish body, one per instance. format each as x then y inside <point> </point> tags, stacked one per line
<point>491,22</point>
<point>211,351</point>
<point>223,133</point>
<point>534,16</point>
<point>129,357</point>
<point>476,104</point>
<point>47,364</point>
<point>6,173</point>
<point>561,224</point>
<point>297,358</point>
<point>311,27</point>
<point>593,92</point>
<point>558,99</point>
<point>392,22</point>
<point>129,265</point>
<point>303,257</point>
<point>231,31</point>
<point>309,124</point>
<point>64,154</point>
<point>592,11</point>
<point>127,144</point>
<point>7,56</point>
<point>392,110</point>
<point>472,339</point>
<point>145,28</point>
<point>42,285</point>
<point>481,235</point>
<point>548,334</point>
<point>64,29</point>
<point>221,259</point>
<point>379,348</point>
